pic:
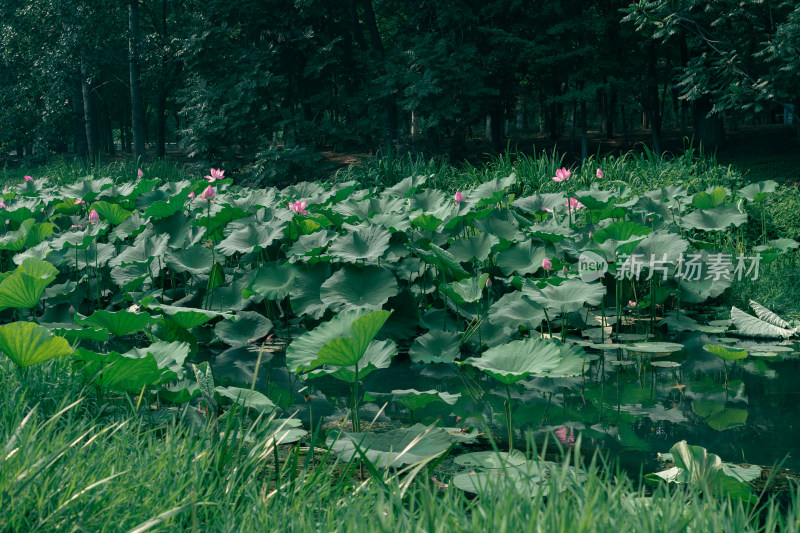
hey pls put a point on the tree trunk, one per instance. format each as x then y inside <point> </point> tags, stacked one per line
<point>796,116</point>
<point>651,100</point>
<point>161,120</point>
<point>108,132</point>
<point>497,113</point>
<point>609,106</point>
<point>79,125</point>
<point>89,116</point>
<point>389,104</point>
<point>415,125</point>
<point>542,113</point>
<point>584,133</point>
<point>624,125</point>
<point>137,105</point>
<point>709,130</point>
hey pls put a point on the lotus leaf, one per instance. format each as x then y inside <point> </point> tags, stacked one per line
<point>117,322</point>
<point>274,281</point>
<point>716,219</point>
<point>522,258</point>
<point>567,297</point>
<point>436,347</point>
<point>246,327</point>
<point>366,244</point>
<point>393,448</point>
<point>247,398</point>
<point>25,285</point>
<point>26,343</point>
<point>517,360</point>
<point>751,326</point>
<point>723,352</point>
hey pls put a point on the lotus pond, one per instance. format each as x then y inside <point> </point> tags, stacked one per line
<point>448,322</point>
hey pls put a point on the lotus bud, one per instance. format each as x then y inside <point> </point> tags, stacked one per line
<point>93,217</point>
<point>208,194</point>
<point>547,264</point>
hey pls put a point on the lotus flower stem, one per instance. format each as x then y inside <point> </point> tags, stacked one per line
<point>547,319</point>
<point>356,420</point>
<point>97,274</point>
<point>88,280</point>
<point>509,419</point>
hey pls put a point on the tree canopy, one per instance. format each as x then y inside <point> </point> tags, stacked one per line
<point>268,83</point>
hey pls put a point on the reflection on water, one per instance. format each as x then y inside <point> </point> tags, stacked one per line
<point>745,411</point>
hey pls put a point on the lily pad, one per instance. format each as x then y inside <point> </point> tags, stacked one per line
<point>723,352</point>
<point>517,360</point>
<point>394,448</point>
<point>655,347</point>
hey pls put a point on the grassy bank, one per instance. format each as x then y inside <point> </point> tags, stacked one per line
<point>69,460</point>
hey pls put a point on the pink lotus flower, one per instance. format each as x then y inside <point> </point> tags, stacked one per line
<point>28,178</point>
<point>564,271</point>
<point>208,194</point>
<point>562,174</point>
<point>574,204</point>
<point>140,173</point>
<point>547,264</point>
<point>191,195</point>
<point>547,209</point>
<point>631,303</point>
<point>298,207</point>
<point>566,435</point>
<point>216,174</point>
<point>76,226</point>
<point>2,205</point>
<point>599,174</point>
<point>79,202</point>
<point>459,197</point>
<point>93,217</point>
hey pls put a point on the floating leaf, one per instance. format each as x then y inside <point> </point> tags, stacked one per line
<point>723,352</point>
<point>655,347</point>
<point>394,448</point>
<point>517,360</point>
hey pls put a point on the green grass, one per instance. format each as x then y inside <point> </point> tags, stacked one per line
<point>68,171</point>
<point>642,171</point>
<point>69,461</point>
